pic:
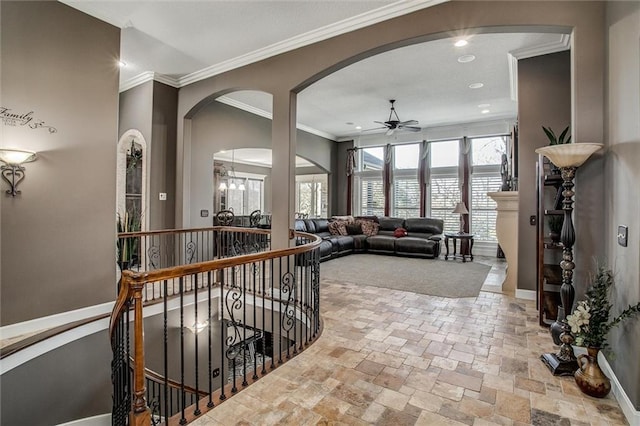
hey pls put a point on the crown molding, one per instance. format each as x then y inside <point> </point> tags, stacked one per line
<point>341,27</point>
<point>266,114</point>
<point>563,43</point>
<point>148,76</point>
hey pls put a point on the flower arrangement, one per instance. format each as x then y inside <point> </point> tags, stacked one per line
<point>590,321</point>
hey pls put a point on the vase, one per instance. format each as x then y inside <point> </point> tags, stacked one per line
<point>589,377</point>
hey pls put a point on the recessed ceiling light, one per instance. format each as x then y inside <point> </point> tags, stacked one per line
<point>349,123</point>
<point>122,64</point>
<point>484,105</point>
<point>358,127</point>
<point>461,43</point>
<point>485,111</point>
<point>476,85</point>
<point>466,58</point>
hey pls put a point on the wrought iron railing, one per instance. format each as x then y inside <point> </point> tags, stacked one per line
<point>209,328</point>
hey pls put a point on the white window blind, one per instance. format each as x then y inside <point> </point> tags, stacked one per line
<point>483,213</point>
<point>444,195</point>
<point>406,197</point>
<point>371,196</point>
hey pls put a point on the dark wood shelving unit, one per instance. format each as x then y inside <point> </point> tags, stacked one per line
<point>549,189</point>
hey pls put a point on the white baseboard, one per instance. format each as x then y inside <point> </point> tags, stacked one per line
<point>525,294</point>
<point>629,410</point>
<point>99,420</point>
<point>56,320</point>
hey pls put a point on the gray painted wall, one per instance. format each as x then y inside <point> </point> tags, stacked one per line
<point>151,109</point>
<point>58,236</point>
<point>79,386</point>
<point>218,126</point>
<point>163,157</point>
<point>544,94</point>
<point>136,110</point>
<point>622,197</point>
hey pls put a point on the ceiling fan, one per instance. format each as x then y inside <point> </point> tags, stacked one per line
<point>394,123</point>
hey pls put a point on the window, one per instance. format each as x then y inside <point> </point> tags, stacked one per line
<point>371,159</point>
<point>486,158</point>
<point>368,181</point>
<point>371,196</point>
<point>406,197</point>
<point>242,202</point>
<point>444,185</point>
<point>311,195</point>
<point>405,201</point>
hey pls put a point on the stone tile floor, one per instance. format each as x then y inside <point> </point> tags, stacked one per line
<point>389,357</point>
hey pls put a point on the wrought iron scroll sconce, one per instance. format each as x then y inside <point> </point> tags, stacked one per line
<point>12,169</point>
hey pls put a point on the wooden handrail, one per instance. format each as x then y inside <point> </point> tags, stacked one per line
<point>212,265</point>
<point>132,284</point>
<point>191,230</point>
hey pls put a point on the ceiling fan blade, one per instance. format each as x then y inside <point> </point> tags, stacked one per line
<point>373,129</point>
<point>382,122</point>
<point>408,123</point>
<point>411,128</point>
<point>390,132</point>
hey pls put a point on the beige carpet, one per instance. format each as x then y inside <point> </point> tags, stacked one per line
<point>434,277</point>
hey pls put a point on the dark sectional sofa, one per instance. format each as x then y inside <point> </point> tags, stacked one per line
<point>422,239</point>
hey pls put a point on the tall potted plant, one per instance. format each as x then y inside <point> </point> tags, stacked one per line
<point>127,246</point>
<point>590,323</point>
<point>557,140</point>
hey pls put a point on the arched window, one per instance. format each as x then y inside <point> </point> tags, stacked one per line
<point>132,178</point>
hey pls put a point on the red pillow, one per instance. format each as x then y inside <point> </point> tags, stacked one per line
<point>400,232</point>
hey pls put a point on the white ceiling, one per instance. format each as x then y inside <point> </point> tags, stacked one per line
<point>181,41</point>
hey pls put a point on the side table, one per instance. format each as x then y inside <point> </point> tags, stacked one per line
<point>466,250</point>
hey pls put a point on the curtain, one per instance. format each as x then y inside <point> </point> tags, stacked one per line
<point>465,175</point>
<point>351,166</point>
<point>386,178</point>
<point>423,178</point>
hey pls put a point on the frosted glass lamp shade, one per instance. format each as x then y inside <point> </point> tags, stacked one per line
<point>15,157</point>
<point>569,155</point>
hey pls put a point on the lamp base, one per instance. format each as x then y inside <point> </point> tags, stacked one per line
<point>559,367</point>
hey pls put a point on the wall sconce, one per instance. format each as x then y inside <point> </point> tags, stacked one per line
<point>12,170</point>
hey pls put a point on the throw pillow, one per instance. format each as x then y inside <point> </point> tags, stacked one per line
<point>348,219</point>
<point>354,228</point>
<point>400,232</point>
<point>369,227</point>
<point>338,227</point>
<point>333,228</point>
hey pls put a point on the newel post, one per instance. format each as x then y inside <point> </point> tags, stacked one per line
<point>140,413</point>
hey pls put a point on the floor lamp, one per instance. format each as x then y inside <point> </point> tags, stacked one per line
<point>568,158</point>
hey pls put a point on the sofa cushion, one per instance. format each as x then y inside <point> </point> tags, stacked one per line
<point>359,242</point>
<point>416,246</point>
<point>345,243</point>
<point>383,243</point>
<point>321,225</point>
<point>354,228</point>
<point>300,226</point>
<point>390,223</point>
<point>424,225</point>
